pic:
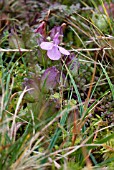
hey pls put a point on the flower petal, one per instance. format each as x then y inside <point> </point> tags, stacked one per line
<point>54,53</point>
<point>56,29</point>
<point>63,51</point>
<point>46,45</point>
<point>56,38</point>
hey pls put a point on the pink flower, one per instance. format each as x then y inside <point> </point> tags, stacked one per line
<point>53,50</point>
<point>56,29</point>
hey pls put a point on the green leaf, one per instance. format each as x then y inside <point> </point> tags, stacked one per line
<point>109,81</point>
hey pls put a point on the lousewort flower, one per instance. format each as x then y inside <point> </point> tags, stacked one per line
<point>56,29</point>
<point>53,50</point>
<point>51,78</point>
<point>41,31</point>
